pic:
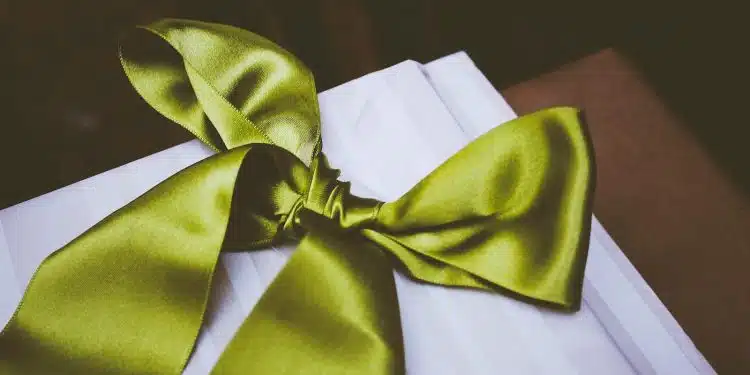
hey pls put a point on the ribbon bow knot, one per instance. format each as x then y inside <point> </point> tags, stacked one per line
<point>509,213</point>
<point>317,189</point>
<point>331,198</point>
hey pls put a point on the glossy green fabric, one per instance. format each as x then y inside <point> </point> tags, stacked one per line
<point>508,213</point>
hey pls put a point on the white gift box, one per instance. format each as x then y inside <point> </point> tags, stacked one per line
<point>422,114</point>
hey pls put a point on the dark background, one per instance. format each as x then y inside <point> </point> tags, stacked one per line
<point>68,111</point>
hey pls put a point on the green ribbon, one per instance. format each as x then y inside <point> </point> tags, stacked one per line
<point>508,213</point>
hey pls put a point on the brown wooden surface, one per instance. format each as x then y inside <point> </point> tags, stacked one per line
<point>683,224</point>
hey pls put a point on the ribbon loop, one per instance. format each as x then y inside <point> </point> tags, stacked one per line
<point>227,86</point>
<point>510,211</point>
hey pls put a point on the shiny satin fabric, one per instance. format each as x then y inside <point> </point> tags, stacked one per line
<point>508,213</point>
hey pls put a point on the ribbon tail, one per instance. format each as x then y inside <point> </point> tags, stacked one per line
<point>331,310</point>
<point>128,296</point>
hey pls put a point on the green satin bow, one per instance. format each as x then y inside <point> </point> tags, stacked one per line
<point>509,213</point>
